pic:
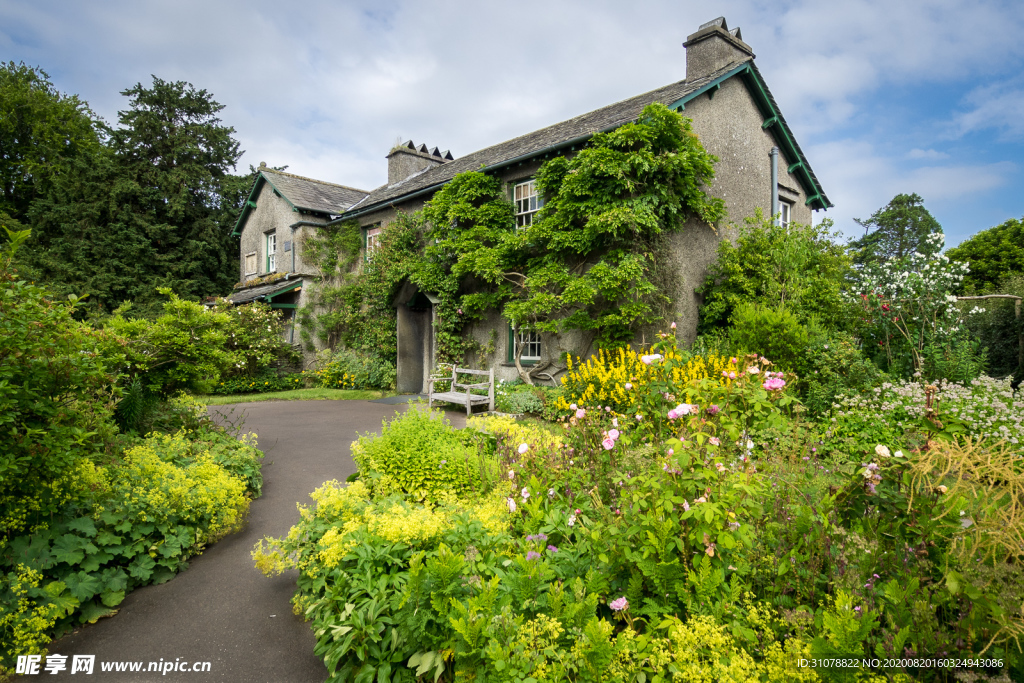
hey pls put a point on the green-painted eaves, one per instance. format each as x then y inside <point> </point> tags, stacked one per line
<point>774,122</point>
<point>250,202</point>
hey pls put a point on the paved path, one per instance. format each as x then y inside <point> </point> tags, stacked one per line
<point>221,610</point>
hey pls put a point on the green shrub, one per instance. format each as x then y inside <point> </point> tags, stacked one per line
<point>260,383</point>
<point>775,333</point>
<point>833,366</point>
<point>344,369</point>
<point>420,454</point>
<point>57,394</point>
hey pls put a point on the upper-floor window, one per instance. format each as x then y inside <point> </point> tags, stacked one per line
<point>785,212</point>
<point>372,239</point>
<point>527,202</point>
<point>271,252</point>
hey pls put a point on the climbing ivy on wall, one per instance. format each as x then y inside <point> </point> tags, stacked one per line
<point>589,262</point>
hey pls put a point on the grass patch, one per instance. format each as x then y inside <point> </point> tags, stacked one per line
<point>316,394</point>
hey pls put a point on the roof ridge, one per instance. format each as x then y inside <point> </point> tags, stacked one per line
<point>312,180</point>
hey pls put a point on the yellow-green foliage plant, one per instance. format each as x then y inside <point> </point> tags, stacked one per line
<point>140,517</point>
<point>611,378</point>
<point>982,485</point>
<point>420,454</point>
<point>200,494</point>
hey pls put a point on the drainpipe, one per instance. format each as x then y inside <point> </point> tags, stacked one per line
<point>293,248</point>
<point>774,154</point>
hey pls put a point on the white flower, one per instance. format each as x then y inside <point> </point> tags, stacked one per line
<point>882,451</point>
<point>523,448</point>
<point>511,474</point>
<point>511,504</point>
<point>572,520</point>
<point>898,454</point>
<point>750,444</point>
<point>753,370</point>
<point>525,493</point>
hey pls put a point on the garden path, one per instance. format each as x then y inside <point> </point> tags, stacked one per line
<point>221,609</point>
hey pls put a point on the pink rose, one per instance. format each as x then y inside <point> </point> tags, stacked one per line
<point>619,605</point>
<point>523,448</point>
<point>614,434</point>
<point>580,413</point>
<point>608,443</point>
<point>774,384</point>
<point>628,386</point>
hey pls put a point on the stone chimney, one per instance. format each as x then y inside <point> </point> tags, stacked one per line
<point>406,160</point>
<point>713,47</point>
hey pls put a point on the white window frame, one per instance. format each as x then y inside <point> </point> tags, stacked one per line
<point>527,201</point>
<point>785,213</point>
<point>372,240</point>
<point>271,245</point>
<point>532,342</point>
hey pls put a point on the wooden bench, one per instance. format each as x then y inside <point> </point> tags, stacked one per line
<point>455,394</point>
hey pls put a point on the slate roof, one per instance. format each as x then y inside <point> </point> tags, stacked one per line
<point>560,134</point>
<point>612,116</point>
<point>308,194</point>
<point>245,296</point>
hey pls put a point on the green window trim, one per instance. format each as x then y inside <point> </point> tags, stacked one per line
<point>511,346</point>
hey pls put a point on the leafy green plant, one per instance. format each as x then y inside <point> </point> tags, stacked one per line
<point>775,333</point>
<point>418,453</point>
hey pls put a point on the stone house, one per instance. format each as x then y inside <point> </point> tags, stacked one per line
<point>733,114</point>
<point>281,210</point>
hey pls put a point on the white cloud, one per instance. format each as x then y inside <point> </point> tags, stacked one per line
<point>859,179</point>
<point>997,105</point>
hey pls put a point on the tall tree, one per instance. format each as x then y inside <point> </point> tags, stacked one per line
<point>992,255</point>
<point>149,211</point>
<point>896,231</point>
<point>41,129</point>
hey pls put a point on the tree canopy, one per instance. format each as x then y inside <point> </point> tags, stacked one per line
<point>895,231</point>
<point>993,255</point>
<point>150,209</point>
<point>41,129</point>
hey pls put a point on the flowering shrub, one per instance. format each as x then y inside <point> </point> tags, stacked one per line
<point>909,304</point>
<point>984,408</point>
<point>602,379</point>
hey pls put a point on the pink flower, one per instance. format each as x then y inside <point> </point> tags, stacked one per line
<point>532,555</point>
<point>460,311</point>
<point>614,433</point>
<point>511,504</point>
<point>732,360</point>
<point>572,406</point>
<point>671,452</point>
<point>713,409</point>
<point>673,326</point>
<point>753,370</point>
<point>647,360</point>
<point>732,375</point>
<point>608,443</point>
<point>615,422</point>
<point>672,414</point>
<point>523,448</point>
<point>683,409</point>
<point>619,605</point>
<point>628,386</point>
<point>714,441</point>
<point>580,413</point>
<point>774,384</point>
<point>639,417</point>
<point>686,506</point>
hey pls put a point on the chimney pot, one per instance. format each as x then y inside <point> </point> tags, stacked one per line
<point>714,47</point>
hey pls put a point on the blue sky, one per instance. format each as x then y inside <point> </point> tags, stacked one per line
<point>884,97</point>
